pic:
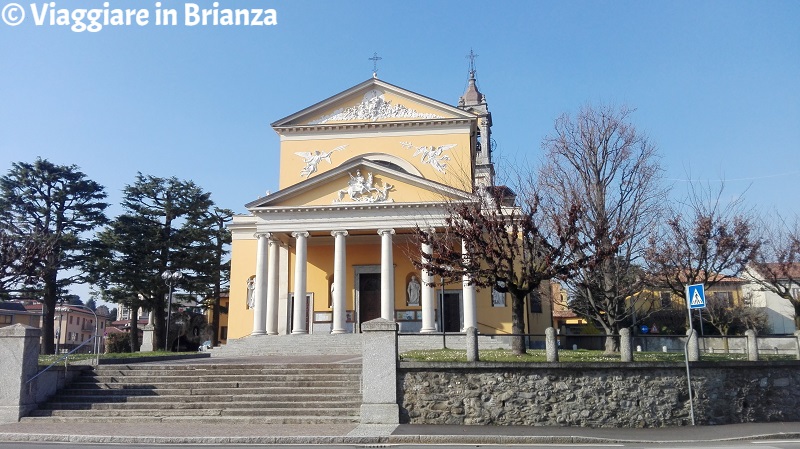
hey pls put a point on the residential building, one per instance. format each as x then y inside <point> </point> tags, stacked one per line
<point>780,311</point>
<point>13,312</point>
<point>74,325</point>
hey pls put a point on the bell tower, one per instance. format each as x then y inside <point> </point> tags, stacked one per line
<point>474,101</point>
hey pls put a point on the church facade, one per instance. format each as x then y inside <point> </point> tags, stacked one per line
<point>333,247</point>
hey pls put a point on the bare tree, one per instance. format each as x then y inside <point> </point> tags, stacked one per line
<point>511,247</point>
<point>705,241</point>
<point>776,266</point>
<point>613,170</point>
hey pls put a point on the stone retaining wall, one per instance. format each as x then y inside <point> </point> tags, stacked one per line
<point>597,395</point>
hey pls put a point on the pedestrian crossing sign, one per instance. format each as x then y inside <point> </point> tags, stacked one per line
<point>696,296</point>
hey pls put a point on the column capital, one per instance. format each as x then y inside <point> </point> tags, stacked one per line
<point>338,232</point>
<point>386,231</point>
<point>299,234</point>
<point>262,234</point>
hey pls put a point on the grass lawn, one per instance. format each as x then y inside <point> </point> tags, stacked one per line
<point>565,355</point>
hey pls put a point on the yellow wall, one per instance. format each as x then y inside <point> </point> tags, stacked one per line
<point>243,265</point>
<point>457,172</point>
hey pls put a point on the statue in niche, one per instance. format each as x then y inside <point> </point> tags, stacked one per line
<point>413,290</point>
<point>251,287</point>
<point>313,158</point>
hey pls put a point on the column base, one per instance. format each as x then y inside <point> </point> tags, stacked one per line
<point>427,331</point>
<point>255,333</point>
<point>299,332</point>
<point>339,331</point>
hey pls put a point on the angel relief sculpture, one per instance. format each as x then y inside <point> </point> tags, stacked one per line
<point>361,190</point>
<point>313,158</point>
<point>432,155</point>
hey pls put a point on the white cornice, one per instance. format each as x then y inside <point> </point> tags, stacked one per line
<point>382,127</point>
<point>354,132</point>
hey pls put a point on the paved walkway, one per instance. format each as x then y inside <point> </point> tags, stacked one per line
<point>171,433</point>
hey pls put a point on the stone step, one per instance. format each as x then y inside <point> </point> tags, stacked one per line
<point>160,383</point>
<point>194,420</point>
<point>183,370</point>
<point>194,405</point>
<point>340,411</point>
<point>265,378</point>
<point>195,399</point>
<point>131,391</point>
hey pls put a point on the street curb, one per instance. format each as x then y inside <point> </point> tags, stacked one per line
<point>360,440</point>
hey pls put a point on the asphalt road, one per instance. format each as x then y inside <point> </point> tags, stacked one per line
<point>760,444</point>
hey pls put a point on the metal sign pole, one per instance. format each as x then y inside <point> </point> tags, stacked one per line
<point>686,353</point>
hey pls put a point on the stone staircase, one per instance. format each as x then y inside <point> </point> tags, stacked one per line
<point>342,344</point>
<point>291,393</point>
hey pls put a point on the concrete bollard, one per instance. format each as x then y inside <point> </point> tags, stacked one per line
<point>664,348</point>
<point>693,349</point>
<point>797,337</point>
<point>574,347</point>
<point>625,353</point>
<point>19,352</point>
<point>472,344</point>
<point>638,348</point>
<point>551,347</point>
<point>379,373</point>
<point>752,345</point>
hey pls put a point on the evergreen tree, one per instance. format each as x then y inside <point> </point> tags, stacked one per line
<point>51,208</point>
<point>163,227</point>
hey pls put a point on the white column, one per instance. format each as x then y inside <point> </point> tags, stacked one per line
<point>387,274</point>
<point>339,284</point>
<point>470,306</point>
<point>300,259</point>
<point>427,296</point>
<point>272,287</point>
<point>260,290</point>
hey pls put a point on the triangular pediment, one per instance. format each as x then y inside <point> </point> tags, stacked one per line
<point>373,101</point>
<point>361,182</point>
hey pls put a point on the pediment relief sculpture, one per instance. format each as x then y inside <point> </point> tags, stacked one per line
<point>373,106</point>
<point>362,190</point>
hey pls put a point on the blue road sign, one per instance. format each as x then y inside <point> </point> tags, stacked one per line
<point>644,329</point>
<point>696,296</point>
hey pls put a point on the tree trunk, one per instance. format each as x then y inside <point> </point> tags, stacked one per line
<point>518,325</point>
<point>134,334</point>
<point>160,323</point>
<point>49,298</point>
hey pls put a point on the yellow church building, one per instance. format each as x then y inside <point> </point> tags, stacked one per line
<point>333,247</point>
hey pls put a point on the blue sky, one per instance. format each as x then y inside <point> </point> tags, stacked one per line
<point>716,84</point>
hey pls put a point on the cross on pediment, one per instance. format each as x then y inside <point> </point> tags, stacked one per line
<point>375,58</point>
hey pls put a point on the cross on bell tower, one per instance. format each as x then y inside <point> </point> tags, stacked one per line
<point>471,56</point>
<point>474,101</point>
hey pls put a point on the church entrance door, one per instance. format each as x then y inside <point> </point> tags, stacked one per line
<point>369,296</point>
<point>452,311</point>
